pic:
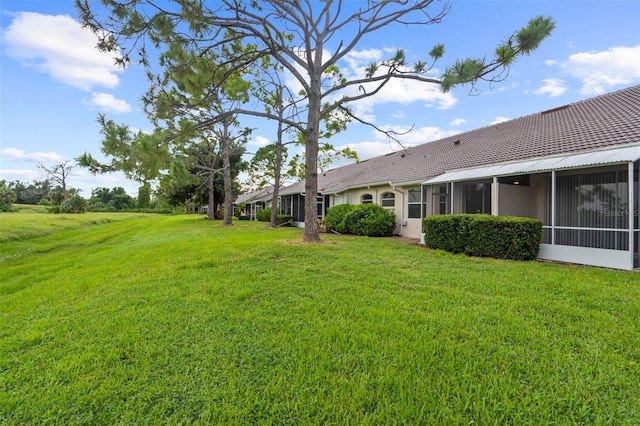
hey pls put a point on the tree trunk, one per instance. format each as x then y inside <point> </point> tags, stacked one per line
<point>276,179</point>
<point>211,213</point>
<point>311,233</point>
<point>226,175</point>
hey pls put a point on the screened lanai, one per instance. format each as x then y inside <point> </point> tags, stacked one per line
<point>588,202</point>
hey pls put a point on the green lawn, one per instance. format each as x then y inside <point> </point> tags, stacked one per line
<point>112,319</point>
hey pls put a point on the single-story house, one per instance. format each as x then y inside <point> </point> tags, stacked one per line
<point>254,201</point>
<point>574,167</point>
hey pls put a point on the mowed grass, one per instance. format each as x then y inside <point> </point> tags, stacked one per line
<point>177,320</point>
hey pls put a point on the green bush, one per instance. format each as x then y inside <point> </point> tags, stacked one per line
<point>335,219</point>
<point>282,219</point>
<point>447,232</point>
<point>264,215</point>
<point>370,220</point>
<point>73,204</point>
<point>7,197</point>
<point>99,206</point>
<point>501,237</point>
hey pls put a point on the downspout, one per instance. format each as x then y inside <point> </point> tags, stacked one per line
<point>631,215</point>
<point>401,207</point>
<point>495,185</point>
<point>374,190</point>
<point>553,207</point>
<point>452,198</point>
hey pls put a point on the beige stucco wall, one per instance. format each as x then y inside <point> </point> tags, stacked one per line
<point>523,201</point>
<point>516,200</point>
<point>412,228</point>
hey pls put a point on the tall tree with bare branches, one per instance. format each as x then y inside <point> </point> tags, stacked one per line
<point>308,39</point>
<point>58,174</point>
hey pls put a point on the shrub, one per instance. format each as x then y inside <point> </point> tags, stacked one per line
<point>264,215</point>
<point>370,220</point>
<point>73,204</point>
<point>335,219</point>
<point>241,208</point>
<point>447,232</point>
<point>501,237</point>
<point>7,197</point>
<point>99,206</point>
<point>282,219</point>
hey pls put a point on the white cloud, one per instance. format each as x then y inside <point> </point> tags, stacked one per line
<point>600,71</point>
<point>383,145</point>
<point>552,87</point>
<point>407,92</point>
<point>86,182</point>
<point>21,175</point>
<point>499,120</point>
<point>369,149</point>
<point>417,135</point>
<point>457,122</point>
<point>59,46</point>
<point>33,157</point>
<point>398,114</point>
<point>259,141</point>
<point>402,91</point>
<point>107,102</point>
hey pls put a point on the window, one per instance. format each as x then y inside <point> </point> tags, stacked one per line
<point>477,197</point>
<point>413,203</point>
<point>337,200</point>
<point>320,202</point>
<point>349,199</point>
<point>366,199</point>
<point>440,203</point>
<point>388,199</point>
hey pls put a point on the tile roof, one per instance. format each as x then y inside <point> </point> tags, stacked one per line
<point>264,194</point>
<point>604,121</point>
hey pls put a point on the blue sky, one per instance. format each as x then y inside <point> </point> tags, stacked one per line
<point>53,83</point>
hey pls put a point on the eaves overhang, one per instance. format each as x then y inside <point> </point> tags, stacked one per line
<point>618,155</point>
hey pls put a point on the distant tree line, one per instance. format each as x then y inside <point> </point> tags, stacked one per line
<point>169,197</point>
<point>36,192</point>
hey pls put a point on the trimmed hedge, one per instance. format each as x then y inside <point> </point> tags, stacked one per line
<point>370,220</point>
<point>481,235</point>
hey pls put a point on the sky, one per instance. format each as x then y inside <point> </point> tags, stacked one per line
<point>54,83</point>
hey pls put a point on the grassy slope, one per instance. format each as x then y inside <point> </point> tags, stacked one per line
<point>178,320</point>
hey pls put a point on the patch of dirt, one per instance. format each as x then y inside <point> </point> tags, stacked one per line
<point>298,242</point>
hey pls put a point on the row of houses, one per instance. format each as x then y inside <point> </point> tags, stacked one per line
<point>574,167</point>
